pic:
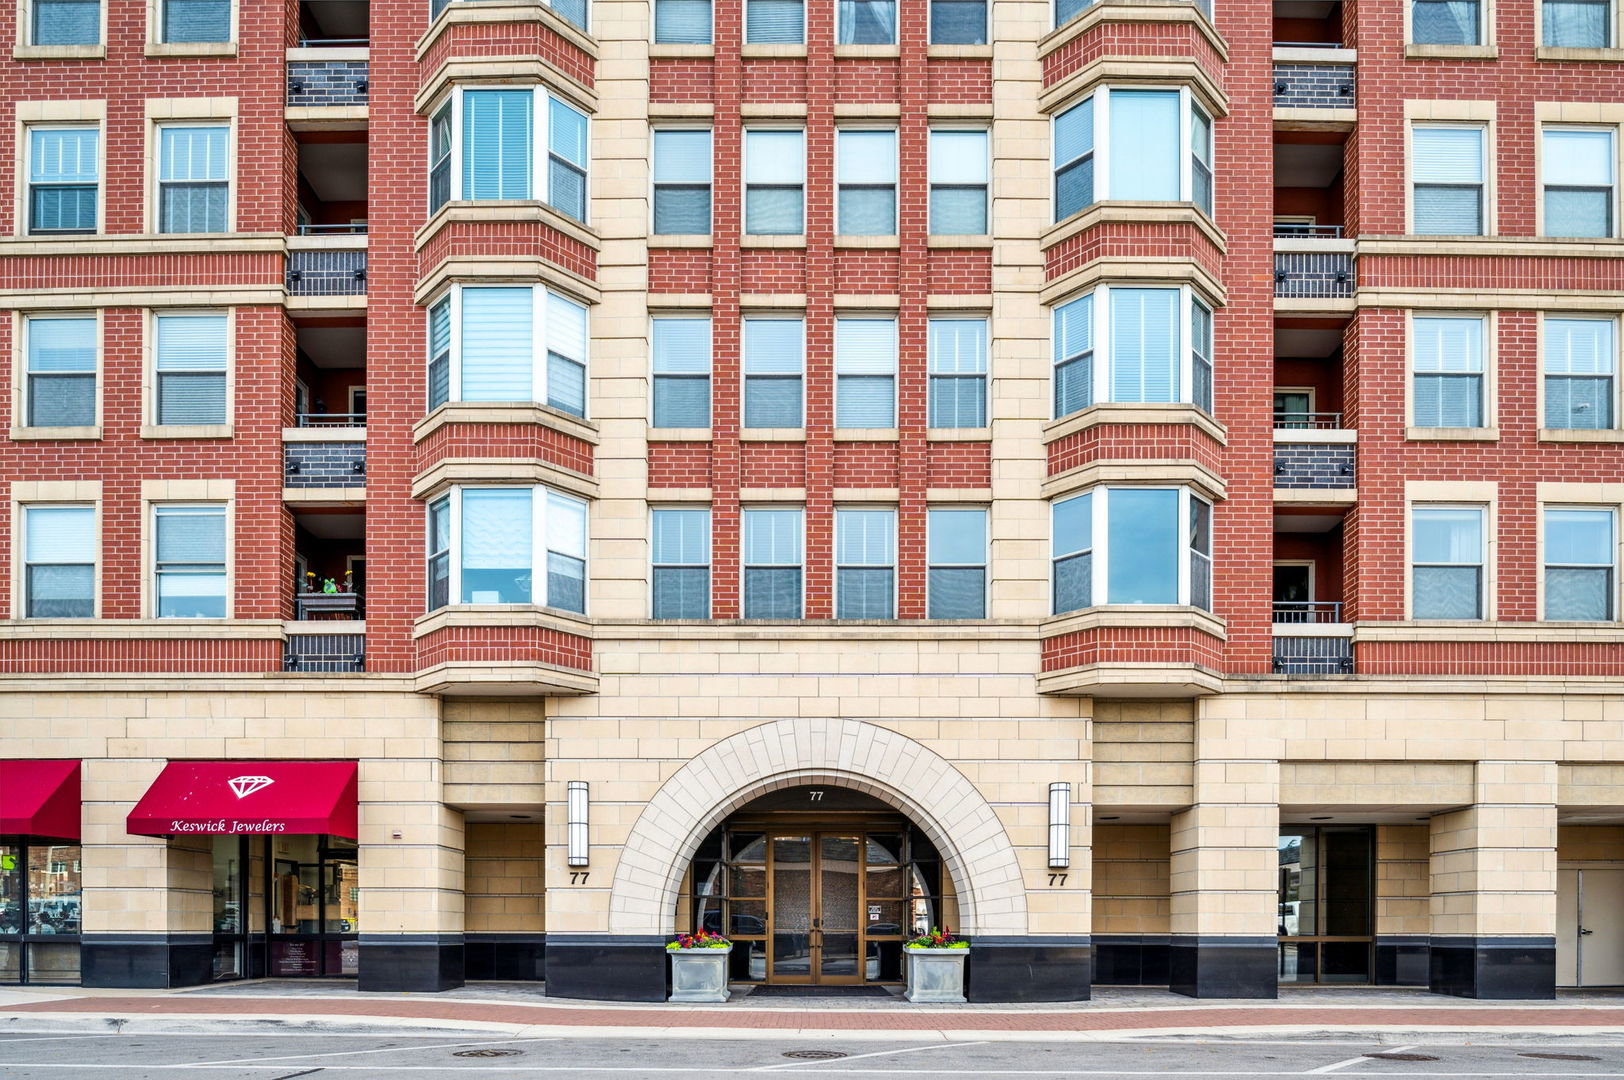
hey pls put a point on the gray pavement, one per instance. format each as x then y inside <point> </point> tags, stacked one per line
<point>419,1053</point>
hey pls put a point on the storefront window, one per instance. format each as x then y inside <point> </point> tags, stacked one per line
<point>229,906</point>
<point>1326,911</point>
<point>39,912</point>
<point>314,906</point>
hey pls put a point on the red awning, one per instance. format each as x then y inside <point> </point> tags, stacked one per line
<point>249,797</point>
<point>40,798</point>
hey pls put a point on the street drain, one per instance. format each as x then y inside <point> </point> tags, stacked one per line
<point>814,1055</point>
<point>1402,1057</point>
<point>489,1051</point>
<point>1559,1057</point>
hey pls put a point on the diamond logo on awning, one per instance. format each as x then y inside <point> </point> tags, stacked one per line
<point>244,786</point>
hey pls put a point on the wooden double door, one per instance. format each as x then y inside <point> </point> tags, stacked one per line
<point>836,900</point>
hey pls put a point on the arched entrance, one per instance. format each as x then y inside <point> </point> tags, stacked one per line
<point>817,884</point>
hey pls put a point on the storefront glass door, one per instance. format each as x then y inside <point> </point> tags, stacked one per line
<point>313,916</point>
<point>39,911</point>
<point>1326,906</point>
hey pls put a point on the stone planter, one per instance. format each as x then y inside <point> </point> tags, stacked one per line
<point>699,974</point>
<point>936,975</point>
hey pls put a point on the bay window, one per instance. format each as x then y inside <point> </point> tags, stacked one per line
<point>1581,363</point>
<point>1448,556</point>
<point>1132,545</point>
<point>508,545</point>
<point>1140,145</point>
<point>485,344</point>
<point>1152,345</point>
<point>1580,552</point>
<point>516,142</point>
<point>1449,375</point>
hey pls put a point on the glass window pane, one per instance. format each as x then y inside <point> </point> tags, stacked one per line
<point>1445,22</point>
<point>958,22</point>
<point>958,211</point>
<point>958,157</point>
<point>1073,525</point>
<point>773,211</point>
<point>681,536</point>
<point>1143,546</point>
<point>61,345</point>
<point>497,128</point>
<point>772,537</point>
<point>567,132</point>
<point>54,888</point>
<point>866,22</point>
<point>1576,594</point>
<point>193,153</point>
<point>865,537</point>
<point>1447,592</point>
<point>772,346</point>
<point>60,534</point>
<point>774,157</point>
<point>867,211</point>
<point>774,22</point>
<point>682,22</point>
<point>1577,158</point>
<point>863,593</point>
<point>497,557</point>
<point>497,331</point>
<point>681,401</point>
<point>1145,345</point>
<point>957,537</point>
<point>1447,155</point>
<point>66,22</point>
<point>196,21</point>
<point>1579,537</point>
<point>1447,535</point>
<point>957,592</point>
<point>65,155</point>
<point>681,592</point>
<point>1576,24</point>
<point>772,593</point>
<point>1145,144</point>
<point>866,157</point>
<point>772,402</point>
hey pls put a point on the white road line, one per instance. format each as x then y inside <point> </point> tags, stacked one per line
<point>1357,1060</point>
<point>711,1071</point>
<point>854,1057</point>
<point>357,1053</point>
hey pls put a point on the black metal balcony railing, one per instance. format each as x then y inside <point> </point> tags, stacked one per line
<point>1308,611</point>
<point>346,605</point>
<point>1314,86</point>
<point>1313,274</point>
<point>342,419</point>
<point>1305,230</point>
<point>327,272</point>
<point>1315,465</point>
<point>327,82</point>
<point>1296,655</point>
<point>359,228</point>
<point>324,464</point>
<point>331,653</point>
<point>1308,45</point>
<point>1307,421</point>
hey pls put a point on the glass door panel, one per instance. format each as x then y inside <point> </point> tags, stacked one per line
<point>792,906</point>
<point>839,885</point>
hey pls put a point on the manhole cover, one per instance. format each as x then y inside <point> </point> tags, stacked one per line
<point>814,1055</point>
<point>489,1051</point>
<point>1402,1057</point>
<point>1559,1057</point>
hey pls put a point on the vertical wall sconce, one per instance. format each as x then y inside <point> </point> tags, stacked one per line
<point>1059,826</point>
<point>577,813</point>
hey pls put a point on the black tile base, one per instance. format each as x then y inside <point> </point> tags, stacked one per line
<point>1494,968</point>
<point>1402,960</point>
<point>419,963</point>
<point>511,957</point>
<point>1130,960</point>
<point>1004,969</point>
<point>606,968</point>
<point>146,961</point>
<point>1223,967</point>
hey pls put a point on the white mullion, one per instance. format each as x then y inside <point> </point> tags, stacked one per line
<point>1100,298</point>
<point>457,137</point>
<point>1102,137</point>
<point>1183,526</point>
<point>538,545</point>
<point>454,552</point>
<point>454,363</point>
<point>1100,556</point>
<point>540,174</point>
<point>1185,391</point>
<point>1186,169</point>
<point>538,344</point>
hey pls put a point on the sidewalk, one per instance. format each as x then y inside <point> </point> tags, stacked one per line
<point>1113,1014</point>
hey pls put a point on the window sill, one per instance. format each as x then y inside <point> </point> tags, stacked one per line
<point>678,434</point>
<point>476,412</point>
<point>1134,616</point>
<point>865,435</point>
<point>62,434</point>
<point>873,242</point>
<point>680,240</point>
<point>504,211</point>
<point>193,48</point>
<point>1579,56</point>
<point>1581,435</point>
<point>1132,212</point>
<point>1111,412</point>
<point>673,51</point>
<point>455,615</point>
<point>772,434</point>
<point>976,434</point>
<point>867,52</point>
<point>762,240</point>
<point>324,434</point>
<point>149,628</point>
<point>1451,52</point>
<point>773,52</point>
<point>959,52</point>
<point>950,240</point>
<point>186,431</point>
<point>59,52</point>
<point>1433,434</point>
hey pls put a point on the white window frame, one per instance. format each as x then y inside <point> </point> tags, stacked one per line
<point>745,374</point>
<point>539,296</point>
<point>1485,587</point>
<point>226,123</point>
<point>1487,383</point>
<point>154,510</point>
<point>896,590</point>
<point>744,28</point>
<point>22,408</point>
<point>1612,133</point>
<point>930,22</point>
<point>1612,511</point>
<point>1612,28</point>
<point>1101,346</point>
<point>1099,525</point>
<point>985,375</point>
<point>540,146</point>
<point>893,374</point>
<point>156,371</point>
<point>985,565</point>
<point>655,185</point>
<point>744,174</point>
<point>1485,187</point>
<point>25,597</point>
<point>539,494</point>
<point>745,565</point>
<point>896,172</point>
<point>26,168</point>
<point>709,565</point>
<point>655,376</point>
<point>896,29</point>
<point>1101,152</point>
<point>985,185</point>
<point>654,23</point>
<point>1615,378</point>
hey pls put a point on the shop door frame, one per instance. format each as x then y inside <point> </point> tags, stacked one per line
<point>322,937</point>
<point>816,977</point>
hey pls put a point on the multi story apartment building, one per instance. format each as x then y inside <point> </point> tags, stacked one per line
<point>490,484</point>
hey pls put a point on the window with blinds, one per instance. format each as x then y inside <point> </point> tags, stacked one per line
<point>956,553</point>
<point>1447,562</point>
<point>866,182</point>
<point>957,359</point>
<point>1580,557</point>
<point>1152,345</point>
<point>958,22</point>
<point>1448,371</point>
<point>1132,545</point>
<point>483,347</point>
<point>196,21</point>
<point>60,362</point>
<point>567,152</point>
<point>497,128</point>
<point>566,529</point>
<point>774,182</point>
<point>774,362</point>
<point>1581,364</point>
<point>1577,166</point>
<point>190,361</point>
<point>681,562</point>
<point>64,179</point>
<point>440,158</point>
<point>1447,165</point>
<point>865,373</point>
<point>774,22</point>
<point>772,563</point>
<point>65,22</point>
<point>865,563</point>
<point>1201,355</point>
<point>1072,553</point>
<point>682,182</point>
<point>1132,144</point>
<point>1074,356</point>
<point>682,372</point>
<point>1067,10</point>
<point>958,182</point>
<point>866,22</point>
<point>193,178</point>
<point>1145,345</point>
<point>682,22</point>
<point>1446,22</point>
<point>439,553</point>
<point>1576,24</point>
<point>59,562</point>
<point>189,549</point>
<point>513,545</point>
<point>495,136</point>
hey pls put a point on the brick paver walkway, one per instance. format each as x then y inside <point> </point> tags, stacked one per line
<point>1195,1017</point>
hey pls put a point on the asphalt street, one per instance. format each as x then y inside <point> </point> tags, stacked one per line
<point>326,1056</point>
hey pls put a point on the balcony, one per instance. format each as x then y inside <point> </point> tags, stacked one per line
<point>325,461</point>
<point>310,651</point>
<point>1317,83</point>
<point>1314,652</point>
<point>308,606</point>
<point>1313,267</point>
<point>328,76</point>
<point>327,265</point>
<point>1316,462</point>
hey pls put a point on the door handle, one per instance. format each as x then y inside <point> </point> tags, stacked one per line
<point>817,924</point>
<point>1585,933</point>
